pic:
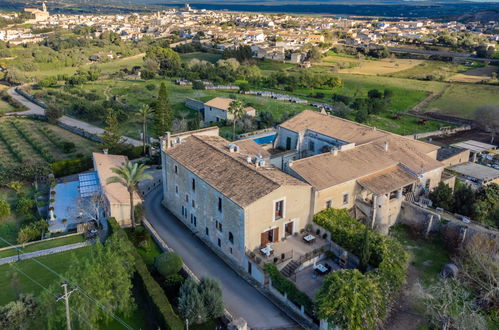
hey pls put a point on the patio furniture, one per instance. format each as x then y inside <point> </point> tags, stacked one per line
<point>321,269</point>
<point>309,238</point>
<point>267,251</point>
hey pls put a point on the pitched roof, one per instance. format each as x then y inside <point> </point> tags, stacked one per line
<point>224,104</point>
<point>251,147</point>
<point>347,130</point>
<point>116,193</point>
<point>326,170</point>
<point>229,173</point>
<point>386,181</point>
<point>219,103</point>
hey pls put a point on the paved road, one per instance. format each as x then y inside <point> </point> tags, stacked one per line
<point>40,253</point>
<point>241,299</point>
<point>35,109</point>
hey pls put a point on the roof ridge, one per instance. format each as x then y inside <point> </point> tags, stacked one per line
<point>237,160</point>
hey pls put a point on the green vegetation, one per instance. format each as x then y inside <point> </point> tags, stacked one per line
<point>462,100</point>
<point>209,57</point>
<point>200,302</point>
<point>283,285</point>
<point>386,256</point>
<point>14,282</point>
<point>25,140</point>
<point>43,245</point>
<point>156,295</point>
<point>168,263</point>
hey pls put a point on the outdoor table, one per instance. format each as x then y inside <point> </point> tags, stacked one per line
<point>309,238</point>
<point>267,251</point>
<point>321,268</point>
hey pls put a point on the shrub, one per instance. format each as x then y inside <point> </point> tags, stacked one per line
<point>71,166</point>
<point>385,254</point>
<point>139,212</point>
<point>140,237</point>
<point>68,147</point>
<point>190,302</point>
<point>283,285</point>
<point>25,207</point>
<point>150,87</point>
<point>155,293</point>
<point>211,294</point>
<point>168,263</point>
<point>4,209</point>
<point>173,283</point>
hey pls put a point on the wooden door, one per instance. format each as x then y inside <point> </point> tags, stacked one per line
<point>264,239</point>
<point>276,234</point>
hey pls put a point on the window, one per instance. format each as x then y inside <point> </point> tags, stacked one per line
<point>207,231</point>
<point>230,250</point>
<point>193,185</point>
<point>183,210</point>
<point>187,198</point>
<point>279,209</point>
<point>427,185</point>
<point>176,189</point>
<point>231,237</point>
<point>288,143</point>
<point>311,146</point>
<point>176,169</point>
<point>219,243</point>
<point>329,204</point>
<point>219,226</point>
<point>345,198</point>
<point>219,204</point>
<point>193,203</point>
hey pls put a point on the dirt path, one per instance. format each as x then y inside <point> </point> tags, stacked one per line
<point>421,106</point>
<point>404,315</point>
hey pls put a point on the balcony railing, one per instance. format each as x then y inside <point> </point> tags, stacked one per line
<point>276,258</point>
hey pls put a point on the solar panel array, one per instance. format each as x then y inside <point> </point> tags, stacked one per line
<point>89,184</point>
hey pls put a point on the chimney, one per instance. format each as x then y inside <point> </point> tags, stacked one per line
<point>168,141</point>
<point>386,146</point>
<point>105,151</point>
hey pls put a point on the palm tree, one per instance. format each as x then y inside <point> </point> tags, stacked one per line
<point>129,174</point>
<point>236,109</point>
<point>144,112</point>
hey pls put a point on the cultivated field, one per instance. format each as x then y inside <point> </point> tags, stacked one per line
<point>475,75</point>
<point>369,67</point>
<point>462,100</point>
<point>23,140</point>
<point>4,106</point>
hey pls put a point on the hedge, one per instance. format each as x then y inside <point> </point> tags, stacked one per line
<point>71,166</point>
<point>387,255</point>
<point>283,285</point>
<point>155,292</point>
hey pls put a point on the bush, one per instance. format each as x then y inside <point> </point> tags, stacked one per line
<point>68,147</point>
<point>4,209</point>
<point>71,166</point>
<point>283,285</point>
<point>168,263</point>
<point>155,293</point>
<point>386,254</point>
<point>140,237</point>
<point>173,283</point>
<point>25,207</point>
<point>150,87</point>
<point>139,212</point>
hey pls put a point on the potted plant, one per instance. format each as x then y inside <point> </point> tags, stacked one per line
<point>258,260</point>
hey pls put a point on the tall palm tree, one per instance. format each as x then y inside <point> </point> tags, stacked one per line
<point>236,109</point>
<point>129,174</point>
<point>144,112</point>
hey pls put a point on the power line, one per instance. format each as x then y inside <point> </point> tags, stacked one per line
<point>55,296</point>
<point>101,306</point>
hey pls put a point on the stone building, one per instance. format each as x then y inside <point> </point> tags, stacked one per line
<point>354,166</point>
<point>229,195</point>
<point>217,110</point>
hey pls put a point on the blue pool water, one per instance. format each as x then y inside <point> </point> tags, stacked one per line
<point>265,139</point>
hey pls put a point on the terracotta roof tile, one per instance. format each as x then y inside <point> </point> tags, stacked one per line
<point>229,173</point>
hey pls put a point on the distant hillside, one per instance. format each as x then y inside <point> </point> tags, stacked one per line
<point>480,16</point>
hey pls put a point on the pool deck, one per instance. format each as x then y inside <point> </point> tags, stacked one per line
<point>66,206</point>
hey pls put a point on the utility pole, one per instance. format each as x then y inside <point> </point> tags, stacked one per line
<point>65,296</point>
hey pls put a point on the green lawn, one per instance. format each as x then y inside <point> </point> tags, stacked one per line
<point>427,256</point>
<point>13,282</point>
<point>43,245</point>
<point>10,226</point>
<point>436,68</point>
<point>406,125</point>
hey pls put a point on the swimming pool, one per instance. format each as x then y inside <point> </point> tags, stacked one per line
<point>265,139</point>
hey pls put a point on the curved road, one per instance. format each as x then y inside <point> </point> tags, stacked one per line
<point>241,299</point>
<point>35,109</point>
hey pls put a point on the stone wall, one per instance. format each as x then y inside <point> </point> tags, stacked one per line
<point>418,136</point>
<point>194,104</point>
<point>30,97</point>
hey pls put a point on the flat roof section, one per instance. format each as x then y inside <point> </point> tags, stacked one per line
<point>481,172</point>
<point>474,146</point>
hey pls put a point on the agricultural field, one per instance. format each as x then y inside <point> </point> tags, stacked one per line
<point>476,75</point>
<point>4,106</point>
<point>105,67</point>
<point>23,140</point>
<point>462,100</point>
<point>436,69</point>
<point>366,66</point>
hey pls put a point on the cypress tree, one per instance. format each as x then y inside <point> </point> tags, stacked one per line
<point>163,113</point>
